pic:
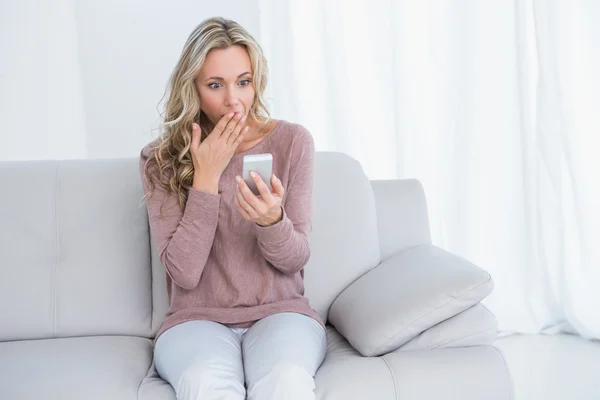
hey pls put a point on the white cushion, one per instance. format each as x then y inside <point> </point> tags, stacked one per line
<point>475,326</point>
<point>405,295</point>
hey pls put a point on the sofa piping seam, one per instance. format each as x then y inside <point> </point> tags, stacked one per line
<point>392,375</point>
<point>144,378</point>
<point>459,338</point>
<point>507,370</point>
<point>427,313</point>
<point>57,261</point>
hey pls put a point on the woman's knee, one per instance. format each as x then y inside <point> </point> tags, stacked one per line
<point>285,380</point>
<point>204,380</point>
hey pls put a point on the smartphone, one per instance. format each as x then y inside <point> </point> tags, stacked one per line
<point>262,164</point>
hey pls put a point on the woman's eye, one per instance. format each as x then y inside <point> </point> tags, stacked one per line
<point>216,85</point>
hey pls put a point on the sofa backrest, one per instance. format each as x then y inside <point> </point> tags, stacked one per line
<point>75,250</point>
<point>402,216</point>
<point>78,258</point>
<point>344,240</point>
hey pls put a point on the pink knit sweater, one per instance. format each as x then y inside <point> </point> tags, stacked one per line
<point>223,268</point>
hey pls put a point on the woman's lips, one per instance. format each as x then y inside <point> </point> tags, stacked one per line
<point>237,111</point>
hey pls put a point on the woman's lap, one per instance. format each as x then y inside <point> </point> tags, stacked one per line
<point>285,343</point>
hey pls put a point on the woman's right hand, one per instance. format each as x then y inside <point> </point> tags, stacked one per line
<point>212,156</point>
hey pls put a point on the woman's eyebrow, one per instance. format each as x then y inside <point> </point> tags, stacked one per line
<point>221,79</point>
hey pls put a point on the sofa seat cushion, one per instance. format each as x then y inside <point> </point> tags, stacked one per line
<point>346,374</point>
<point>469,373</point>
<point>95,367</point>
<point>153,387</point>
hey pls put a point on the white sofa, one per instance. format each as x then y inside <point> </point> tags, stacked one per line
<point>83,292</point>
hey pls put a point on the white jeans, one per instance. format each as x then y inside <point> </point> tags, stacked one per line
<point>276,358</point>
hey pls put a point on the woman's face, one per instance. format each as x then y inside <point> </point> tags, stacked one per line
<point>224,83</point>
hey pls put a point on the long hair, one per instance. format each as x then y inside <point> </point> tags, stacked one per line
<point>170,161</point>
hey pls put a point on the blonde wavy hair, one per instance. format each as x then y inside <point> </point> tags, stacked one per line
<point>170,162</point>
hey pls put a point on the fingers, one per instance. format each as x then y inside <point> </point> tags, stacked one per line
<point>277,186</point>
<point>222,124</point>
<point>239,129</point>
<point>231,125</point>
<point>246,216</point>
<point>247,194</point>
<point>231,128</point>
<point>196,134</point>
<point>262,187</point>
<point>245,206</point>
<point>251,207</point>
<point>239,138</point>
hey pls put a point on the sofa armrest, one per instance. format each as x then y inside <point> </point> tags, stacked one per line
<point>405,295</point>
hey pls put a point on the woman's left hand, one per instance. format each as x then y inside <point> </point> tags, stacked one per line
<point>264,210</point>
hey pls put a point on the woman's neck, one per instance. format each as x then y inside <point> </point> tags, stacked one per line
<point>256,130</point>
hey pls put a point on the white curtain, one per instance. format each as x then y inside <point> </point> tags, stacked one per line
<point>41,91</point>
<point>493,106</point>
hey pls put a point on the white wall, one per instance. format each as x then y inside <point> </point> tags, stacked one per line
<point>83,79</point>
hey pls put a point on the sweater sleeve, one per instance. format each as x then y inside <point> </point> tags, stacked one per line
<point>285,244</point>
<point>183,238</point>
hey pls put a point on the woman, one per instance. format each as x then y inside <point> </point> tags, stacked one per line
<point>238,323</point>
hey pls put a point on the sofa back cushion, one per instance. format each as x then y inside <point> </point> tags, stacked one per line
<point>75,245</point>
<point>344,241</point>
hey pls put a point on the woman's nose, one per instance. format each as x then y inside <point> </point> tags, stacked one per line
<point>231,98</point>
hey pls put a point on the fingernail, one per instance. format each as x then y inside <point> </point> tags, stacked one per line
<point>238,179</point>
<point>230,115</point>
<point>253,174</point>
